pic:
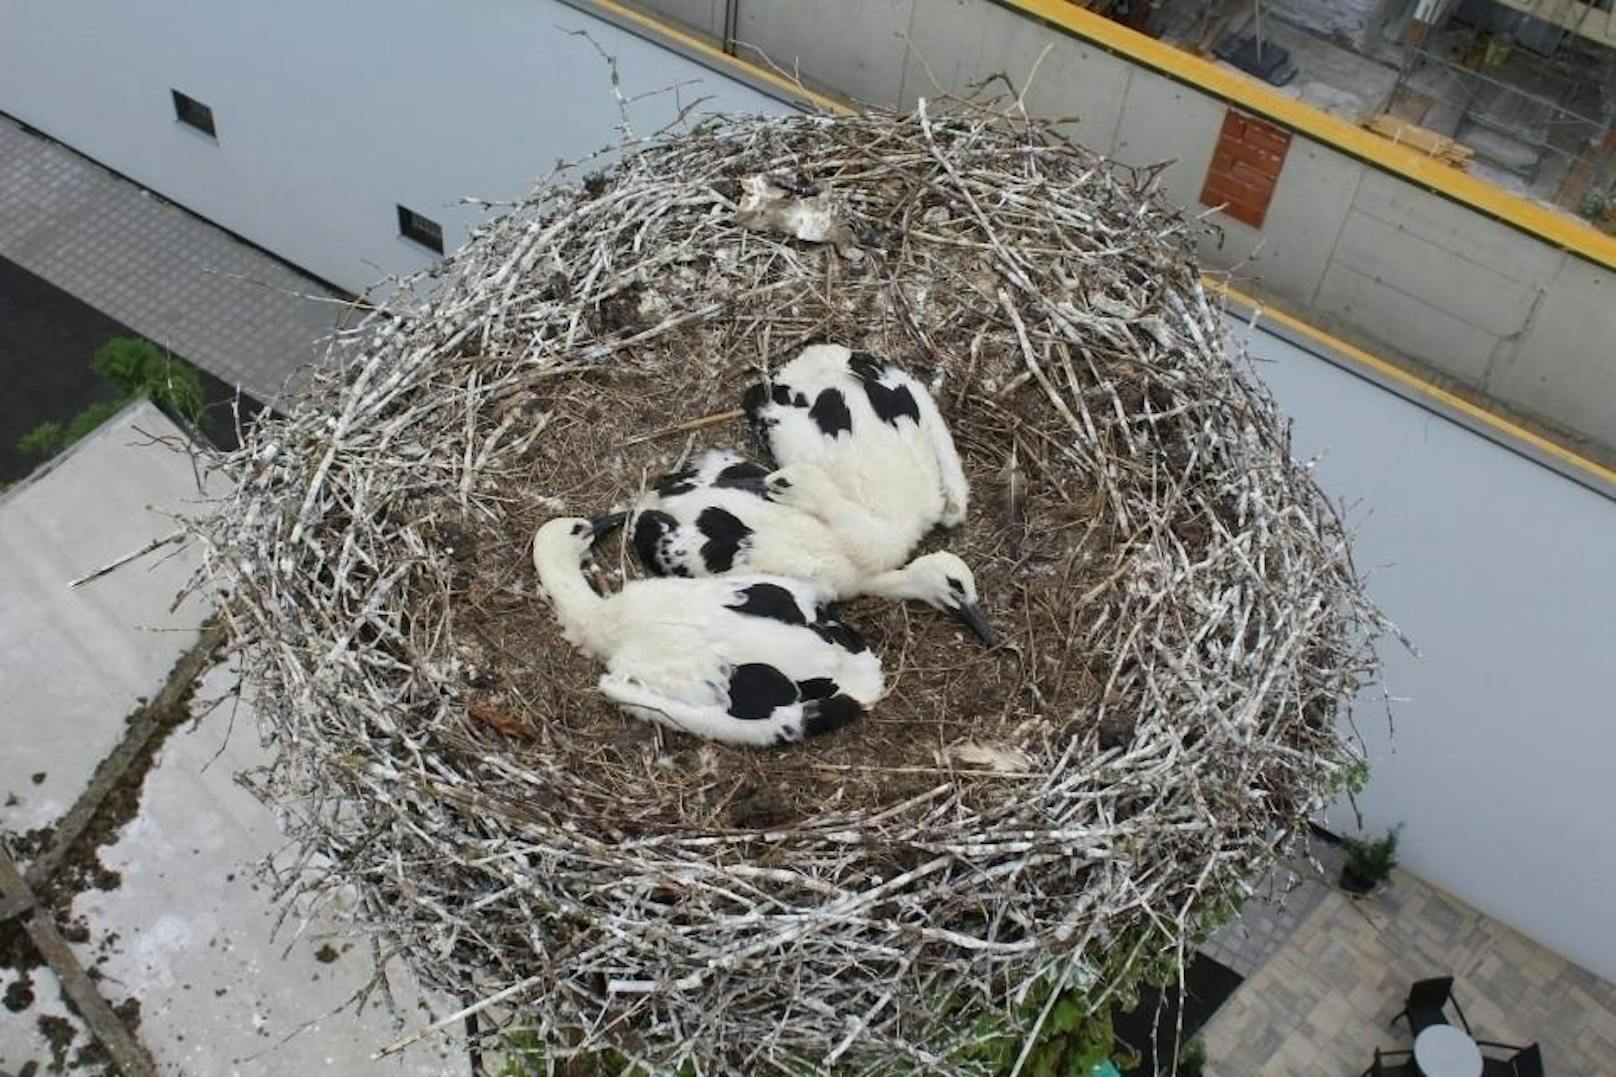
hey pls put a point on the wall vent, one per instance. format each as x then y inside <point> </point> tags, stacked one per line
<point>193,113</point>
<point>423,230</point>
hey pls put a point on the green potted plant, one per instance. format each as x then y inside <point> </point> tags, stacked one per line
<point>1369,862</point>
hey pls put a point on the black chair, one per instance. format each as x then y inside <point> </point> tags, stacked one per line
<point>1523,1062</point>
<point>1424,1005</point>
<point>1382,1066</point>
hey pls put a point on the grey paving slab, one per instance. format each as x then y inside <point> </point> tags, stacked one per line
<point>193,935</point>
<point>74,663</point>
<point>1323,1002</point>
<point>1279,902</point>
<point>187,926</point>
<point>176,279</point>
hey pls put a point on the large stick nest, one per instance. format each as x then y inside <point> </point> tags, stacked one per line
<point>1182,623</point>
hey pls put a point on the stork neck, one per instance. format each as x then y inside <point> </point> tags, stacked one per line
<point>562,578</point>
<point>899,584</point>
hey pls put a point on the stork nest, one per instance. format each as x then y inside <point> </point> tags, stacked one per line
<point>1181,622</point>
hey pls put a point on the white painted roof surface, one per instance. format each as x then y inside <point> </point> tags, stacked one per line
<point>220,992</point>
<point>189,929</point>
<point>74,663</point>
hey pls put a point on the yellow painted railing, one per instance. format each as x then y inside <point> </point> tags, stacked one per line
<point>716,56</point>
<point>1371,363</point>
<point>1551,226</point>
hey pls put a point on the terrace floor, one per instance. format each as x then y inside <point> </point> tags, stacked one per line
<point>1321,1003</point>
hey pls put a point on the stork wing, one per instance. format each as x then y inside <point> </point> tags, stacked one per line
<point>894,395</point>
<point>708,720</point>
<point>719,467</point>
<point>956,490</point>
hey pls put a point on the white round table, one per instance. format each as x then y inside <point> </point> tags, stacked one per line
<point>1444,1051</point>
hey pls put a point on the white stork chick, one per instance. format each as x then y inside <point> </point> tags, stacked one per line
<point>743,659</point>
<point>716,517</point>
<point>861,444</point>
<point>873,433</point>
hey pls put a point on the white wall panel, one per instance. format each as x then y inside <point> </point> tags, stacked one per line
<point>1499,570</point>
<point>329,115</point>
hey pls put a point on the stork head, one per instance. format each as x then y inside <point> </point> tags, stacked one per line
<point>569,538</point>
<point>942,580</point>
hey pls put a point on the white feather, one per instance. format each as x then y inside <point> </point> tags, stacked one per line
<point>907,475</point>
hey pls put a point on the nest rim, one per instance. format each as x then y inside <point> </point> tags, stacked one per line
<point>374,714</point>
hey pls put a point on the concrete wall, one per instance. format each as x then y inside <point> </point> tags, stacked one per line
<point>1352,19</point>
<point>704,17</point>
<point>1499,570</point>
<point>1356,249</point>
<point>329,115</point>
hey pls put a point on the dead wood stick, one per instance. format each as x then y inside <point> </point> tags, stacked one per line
<point>130,1057</point>
<point>459,1015</point>
<point>694,424</point>
<point>119,562</point>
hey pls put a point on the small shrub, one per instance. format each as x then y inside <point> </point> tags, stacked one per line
<point>1192,1058</point>
<point>139,368</point>
<point>90,418</point>
<point>43,440</point>
<point>135,368</point>
<point>1369,863</point>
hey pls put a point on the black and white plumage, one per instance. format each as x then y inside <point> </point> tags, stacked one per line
<point>717,516</point>
<point>744,659</point>
<point>862,447</point>
<point>860,442</point>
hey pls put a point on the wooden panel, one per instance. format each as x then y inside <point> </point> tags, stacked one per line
<point>1439,146</point>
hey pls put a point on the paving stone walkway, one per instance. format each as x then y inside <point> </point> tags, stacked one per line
<point>183,283</point>
<point>1279,903</point>
<point>1322,1002</point>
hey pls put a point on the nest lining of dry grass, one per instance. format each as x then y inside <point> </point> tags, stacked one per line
<point>1182,620</point>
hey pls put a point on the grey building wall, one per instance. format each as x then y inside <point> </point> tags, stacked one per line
<point>331,115</point>
<point>1496,751</point>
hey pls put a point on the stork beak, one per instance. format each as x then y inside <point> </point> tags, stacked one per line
<point>601,526</point>
<point>972,616</point>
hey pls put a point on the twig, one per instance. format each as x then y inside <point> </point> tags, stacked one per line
<point>177,535</point>
<point>686,427</point>
<point>459,1015</point>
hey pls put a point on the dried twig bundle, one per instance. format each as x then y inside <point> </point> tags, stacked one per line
<point>1182,620</point>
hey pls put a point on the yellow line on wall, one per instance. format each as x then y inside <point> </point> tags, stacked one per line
<point>1550,225</point>
<point>693,43</point>
<point>1391,371</point>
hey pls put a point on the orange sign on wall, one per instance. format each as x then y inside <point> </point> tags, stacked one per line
<point>1245,167</point>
